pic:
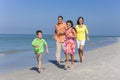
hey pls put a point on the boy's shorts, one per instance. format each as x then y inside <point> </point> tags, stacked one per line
<point>39,53</point>
<point>39,56</point>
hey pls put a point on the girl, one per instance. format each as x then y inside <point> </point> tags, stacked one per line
<point>69,44</point>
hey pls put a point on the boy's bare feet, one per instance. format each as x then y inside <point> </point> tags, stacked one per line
<point>39,70</point>
<point>58,63</point>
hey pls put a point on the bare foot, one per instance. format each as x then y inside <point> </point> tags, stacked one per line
<point>71,66</point>
<point>65,68</point>
<point>83,57</point>
<point>39,70</point>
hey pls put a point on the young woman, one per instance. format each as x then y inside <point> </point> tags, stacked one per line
<point>81,34</point>
<point>70,43</point>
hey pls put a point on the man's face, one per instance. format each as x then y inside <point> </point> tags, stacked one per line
<point>60,20</point>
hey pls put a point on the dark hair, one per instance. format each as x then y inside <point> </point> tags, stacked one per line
<point>70,21</point>
<point>60,17</point>
<point>38,31</point>
<point>79,19</point>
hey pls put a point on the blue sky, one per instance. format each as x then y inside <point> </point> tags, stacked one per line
<point>102,17</point>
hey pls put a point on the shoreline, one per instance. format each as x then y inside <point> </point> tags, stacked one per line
<point>48,60</point>
<point>99,64</point>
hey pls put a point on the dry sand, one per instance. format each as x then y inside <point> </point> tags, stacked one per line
<point>99,64</point>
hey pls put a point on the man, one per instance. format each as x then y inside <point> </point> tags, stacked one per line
<point>59,36</point>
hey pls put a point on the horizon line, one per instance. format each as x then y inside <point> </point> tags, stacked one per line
<point>52,34</point>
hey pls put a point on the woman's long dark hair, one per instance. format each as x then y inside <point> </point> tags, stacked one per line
<point>70,21</point>
<point>79,19</point>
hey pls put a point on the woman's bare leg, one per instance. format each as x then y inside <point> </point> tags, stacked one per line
<point>80,51</point>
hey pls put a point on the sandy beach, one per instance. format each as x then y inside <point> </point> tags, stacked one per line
<point>1,55</point>
<point>99,64</point>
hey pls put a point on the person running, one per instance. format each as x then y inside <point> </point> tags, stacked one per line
<point>59,36</point>
<point>70,43</point>
<point>38,44</point>
<point>81,35</point>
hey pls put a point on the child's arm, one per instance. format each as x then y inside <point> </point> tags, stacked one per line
<point>35,46</point>
<point>47,49</point>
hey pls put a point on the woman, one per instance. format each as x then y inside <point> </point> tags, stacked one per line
<point>81,34</point>
<point>69,44</point>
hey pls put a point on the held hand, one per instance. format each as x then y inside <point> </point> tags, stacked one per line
<point>35,46</point>
<point>60,33</point>
<point>72,36</point>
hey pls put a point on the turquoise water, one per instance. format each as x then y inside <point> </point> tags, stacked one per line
<point>17,53</point>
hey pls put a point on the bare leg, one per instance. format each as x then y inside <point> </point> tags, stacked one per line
<point>80,55</point>
<point>58,53</point>
<point>40,62</point>
<point>66,65</point>
<point>81,49</point>
<point>37,57</point>
<point>72,60</point>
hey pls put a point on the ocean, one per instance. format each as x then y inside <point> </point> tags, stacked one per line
<point>16,51</point>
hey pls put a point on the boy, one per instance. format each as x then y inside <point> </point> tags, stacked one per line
<point>38,44</point>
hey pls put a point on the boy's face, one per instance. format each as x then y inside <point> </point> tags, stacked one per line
<point>39,35</point>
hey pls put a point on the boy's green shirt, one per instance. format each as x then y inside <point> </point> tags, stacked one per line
<point>40,43</point>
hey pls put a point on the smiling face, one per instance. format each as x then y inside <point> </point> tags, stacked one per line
<point>80,21</point>
<point>39,35</point>
<point>60,20</point>
<point>68,24</point>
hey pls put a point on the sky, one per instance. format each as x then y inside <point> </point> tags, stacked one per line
<point>102,17</point>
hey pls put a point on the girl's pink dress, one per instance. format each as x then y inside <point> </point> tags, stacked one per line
<point>70,43</point>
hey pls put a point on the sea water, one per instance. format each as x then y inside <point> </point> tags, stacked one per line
<point>16,51</point>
